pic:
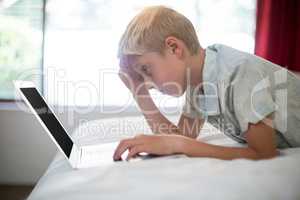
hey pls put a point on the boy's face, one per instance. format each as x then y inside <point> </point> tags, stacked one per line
<point>167,72</point>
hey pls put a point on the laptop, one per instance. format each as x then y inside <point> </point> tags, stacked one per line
<point>78,156</point>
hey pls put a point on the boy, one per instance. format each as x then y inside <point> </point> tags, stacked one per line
<point>250,99</point>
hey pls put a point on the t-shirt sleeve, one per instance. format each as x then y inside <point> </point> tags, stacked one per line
<point>253,100</point>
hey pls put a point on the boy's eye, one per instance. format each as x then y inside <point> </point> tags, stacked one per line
<point>146,70</point>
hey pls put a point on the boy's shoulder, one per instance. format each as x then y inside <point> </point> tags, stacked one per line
<point>232,64</point>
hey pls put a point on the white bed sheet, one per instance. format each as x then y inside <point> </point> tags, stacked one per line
<point>174,177</point>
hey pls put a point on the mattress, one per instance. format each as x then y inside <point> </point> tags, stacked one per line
<point>170,177</point>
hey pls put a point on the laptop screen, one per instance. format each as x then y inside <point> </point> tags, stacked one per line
<point>49,119</point>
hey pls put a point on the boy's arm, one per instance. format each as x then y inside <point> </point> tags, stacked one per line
<point>158,123</point>
<point>260,138</point>
<point>190,127</point>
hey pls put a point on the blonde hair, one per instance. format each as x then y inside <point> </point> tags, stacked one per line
<point>148,30</point>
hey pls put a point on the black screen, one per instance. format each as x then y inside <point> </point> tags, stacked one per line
<point>49,119</point>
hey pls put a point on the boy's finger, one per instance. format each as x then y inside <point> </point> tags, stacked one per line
<point>123,146</point>
<point>129,75</point>
<point>135,150</point>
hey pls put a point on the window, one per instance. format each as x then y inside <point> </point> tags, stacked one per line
<point>21,38</point>
<point>82,39</point>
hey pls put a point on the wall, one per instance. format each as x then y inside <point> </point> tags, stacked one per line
<point>26,150</point>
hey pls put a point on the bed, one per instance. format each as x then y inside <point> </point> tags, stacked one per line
<point>171,177</point>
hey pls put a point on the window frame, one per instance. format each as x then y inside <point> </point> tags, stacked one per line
<point>42,63</point>
<point>2,100</point>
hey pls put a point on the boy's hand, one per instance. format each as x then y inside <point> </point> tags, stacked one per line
<point>152,144</point>
<point>130,78</point>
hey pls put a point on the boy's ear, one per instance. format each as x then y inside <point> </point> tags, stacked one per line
<point>173,46</point>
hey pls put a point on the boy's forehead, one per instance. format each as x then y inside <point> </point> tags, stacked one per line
<point>128,60</point>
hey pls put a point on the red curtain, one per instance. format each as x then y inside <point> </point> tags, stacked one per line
<point>278,32</point>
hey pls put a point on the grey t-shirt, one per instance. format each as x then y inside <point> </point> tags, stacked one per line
<point>241,88</point>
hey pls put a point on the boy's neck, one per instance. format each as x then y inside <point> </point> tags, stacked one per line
<point>196,63</point>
